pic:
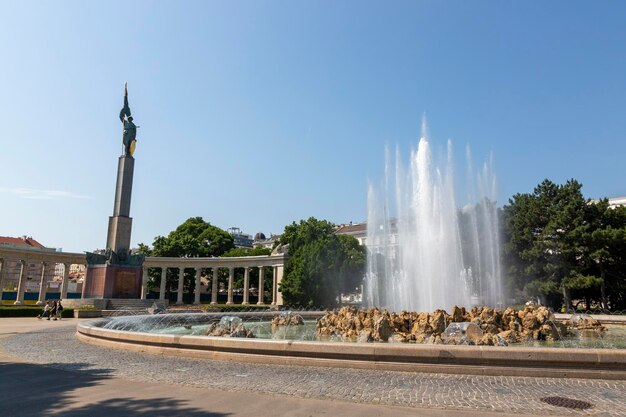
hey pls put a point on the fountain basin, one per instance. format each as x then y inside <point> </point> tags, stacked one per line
<point>474,360</point>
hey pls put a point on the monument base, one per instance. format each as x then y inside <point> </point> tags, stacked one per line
<point>113,281</point>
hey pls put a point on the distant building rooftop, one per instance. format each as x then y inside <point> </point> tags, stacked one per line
<point>20,242</point>
<point>348,229</point>
<point>241,240</point>
<point>23,242</point>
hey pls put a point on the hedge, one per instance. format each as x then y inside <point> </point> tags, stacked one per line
<point>234,308</point>
<point>30,312</point>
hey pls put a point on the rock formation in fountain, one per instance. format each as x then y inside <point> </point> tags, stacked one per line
<point>229,326</point>
<point>482,326</point>
<point>287,319</point>
<point>423,251</point>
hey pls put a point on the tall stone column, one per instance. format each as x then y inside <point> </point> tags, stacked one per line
<point>144,283</point>
<point>181,284</point>
<point>246,285</point>
<point>214,286</point>
<point>20,285</point>
<point>120,224</point>
<point>274,284</point>
<point>231,277</point>
<point>280,270</point>
<point>163,282</point>
<point>42,285</point>
<point>196,299</point>
<point>66,276</point>
<point>260,302</point>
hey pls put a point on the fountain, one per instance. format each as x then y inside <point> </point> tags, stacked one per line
<point>426,256</point>
<point>425,253</point>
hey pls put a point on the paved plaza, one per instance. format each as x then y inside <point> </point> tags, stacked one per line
<point>46,371</point>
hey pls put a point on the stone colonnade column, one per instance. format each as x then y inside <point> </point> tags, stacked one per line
<point>231,278</point>
<point>260,302</point>
<point>198,282</point>
<point>2,269</point>
<point>246,286</point>
<point>280,270</point>
<point>20,286</point>
<point>144,283</point>
<point>84,292</point>
<point>163,282</point>
<point>181,283</point>
<point>214,286</point>
<point>66,276</point>
<point>42,284</point>
<point>274,284</point>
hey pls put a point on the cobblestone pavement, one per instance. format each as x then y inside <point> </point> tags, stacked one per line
<point>58,347</point>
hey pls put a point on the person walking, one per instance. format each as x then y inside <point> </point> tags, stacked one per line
<point>46,311</point>
<point>53,312</point>
<point>59,309</point>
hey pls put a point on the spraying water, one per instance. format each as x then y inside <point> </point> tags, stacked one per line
<point>423,252</point>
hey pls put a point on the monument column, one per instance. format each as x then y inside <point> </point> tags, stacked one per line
<point>117,273</point>
<point>181,284</point>
<point>196,299</point>
<point>163,282</point>
<point>66,276</point>
<point>42,285</point>
<point>246,285</point>
<point>231,273</point>
<point>214,286</point>
<point>20,285</point>
<point>260,302</point>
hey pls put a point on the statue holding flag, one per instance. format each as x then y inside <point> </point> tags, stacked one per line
<point>130,129</point>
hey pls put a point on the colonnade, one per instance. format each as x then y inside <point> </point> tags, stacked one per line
<point>211,266</point>
<point>277,273</point>
<point>47,261</point>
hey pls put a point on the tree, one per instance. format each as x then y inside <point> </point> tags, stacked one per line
<point>560,246</point>
<point>322,264</point>
<point>542,231</point>
<point>605,253</point>
<point>193,238</point>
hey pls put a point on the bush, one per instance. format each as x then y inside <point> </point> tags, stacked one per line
<point>235,308</point>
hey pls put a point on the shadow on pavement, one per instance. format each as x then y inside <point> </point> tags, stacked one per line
<point>37,390</point>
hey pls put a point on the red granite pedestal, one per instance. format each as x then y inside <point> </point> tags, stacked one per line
<point>113,281</point>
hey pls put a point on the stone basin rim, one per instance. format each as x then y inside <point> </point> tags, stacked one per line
<point>473,360</point>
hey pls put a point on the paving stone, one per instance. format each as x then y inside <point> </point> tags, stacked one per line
<point>58,348</point>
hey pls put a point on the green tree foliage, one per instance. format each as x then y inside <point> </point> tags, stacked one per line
<point>322,265</point>
<point>560,246</point>
<point>193,238</point>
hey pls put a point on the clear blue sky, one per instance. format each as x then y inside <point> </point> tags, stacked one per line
<point>258,113</point>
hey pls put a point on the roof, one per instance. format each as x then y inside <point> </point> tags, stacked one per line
<point>351,228</point>
<point>20,241</point>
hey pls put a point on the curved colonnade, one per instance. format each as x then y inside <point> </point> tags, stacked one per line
<point>49,258</point>
<point>274,262</point>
